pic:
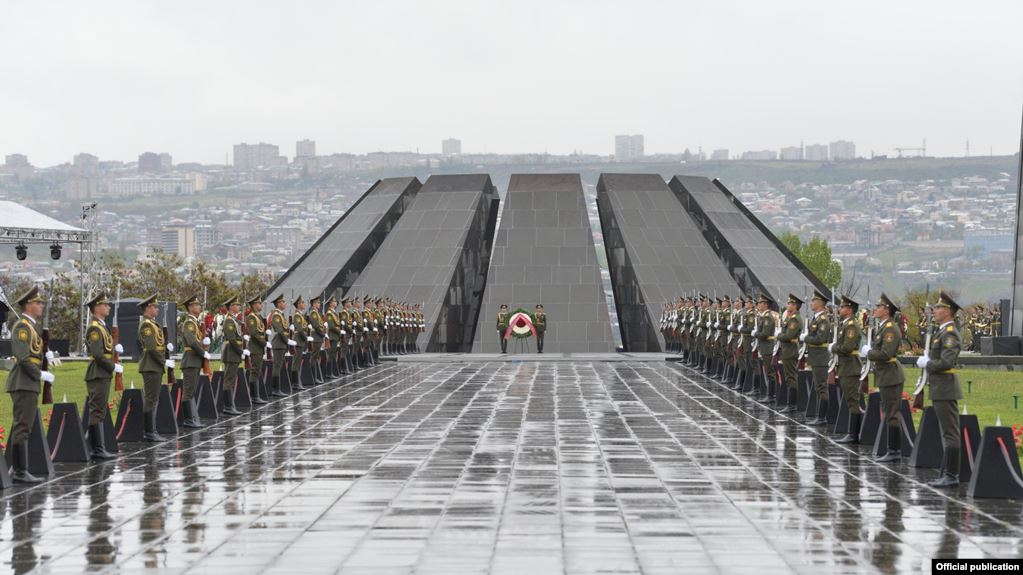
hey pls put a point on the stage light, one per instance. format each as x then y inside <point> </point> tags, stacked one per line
<point>21,251</point>
<point>55,251</point>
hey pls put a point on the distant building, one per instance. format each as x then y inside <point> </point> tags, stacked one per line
<point>207,236</point>
<point>721,154</point>
<point>153,163</point>
<point>305,149</point>
<point>85,165</point>
<point>792,153</point>
<point>152,186</point>
<point>628,148</point>
<point>252,156</point>
<point>283,237</point>
<point>451,147</point>
<point>816,153</point>
<point>177,239</point>
<point>18,166</point>
<point>760,155</point>
<point>843,150</point>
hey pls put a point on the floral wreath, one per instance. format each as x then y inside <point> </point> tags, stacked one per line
<point>520,325</point>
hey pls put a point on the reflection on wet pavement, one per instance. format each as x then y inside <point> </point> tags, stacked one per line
<point>495,467</point>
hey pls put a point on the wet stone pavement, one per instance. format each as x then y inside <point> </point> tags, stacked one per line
<point>499,467</point>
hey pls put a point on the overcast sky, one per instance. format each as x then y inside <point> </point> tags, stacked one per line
<point>194,77</point>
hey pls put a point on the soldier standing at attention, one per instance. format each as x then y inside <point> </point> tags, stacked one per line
<point>24,380</point>
<point>540,323</point>
<point>940,361</point>
<point>234,353</point>
<point>847,370</point>
<point>502,326</point>
<point>788,351</point>
<point>349,339</point>
<point>318,331</point>
<point>281,341</point>
<point>152,364</point>
<point>335,338</point>
<point>764,336</point>
<point>888,375</point>
<point>100,347</point>
<point>194,351</point>
<point>300,333</point>
<point>817,338</point>
<point>256,340</point>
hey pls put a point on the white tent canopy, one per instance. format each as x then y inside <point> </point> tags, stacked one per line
<point>21,224</point>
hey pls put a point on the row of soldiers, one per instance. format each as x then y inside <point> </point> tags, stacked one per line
<point>335,341</point>
<point>749,345</point>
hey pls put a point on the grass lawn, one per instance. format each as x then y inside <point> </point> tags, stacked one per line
<point>990,397</point>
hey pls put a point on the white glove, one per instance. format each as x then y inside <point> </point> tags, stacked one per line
<point>326,338</point>
<point>269,333</point>
<point>268,346</point>
<point>374,330</point>
<point>343,322</point>
<point>753,333</point>
<point>922,361</point>
<point>246,338</point>
<point>46,376</point>
<point>49,355</point>
<point>292,342</point>
<point>118,368</point>
<point>246,353</point>
<point>802,337</point>
<point>205,341</point>
<point>291,327</point>
<point>865,349</point>
<point>343,332</point>
<point>707,325</point>
<point>206,355</point>
<point>831,346</point>
<point>365,329</point>
<point>119,348</point>
<point>170,347</point>
<point>169,363</point>
<point>308,338</point>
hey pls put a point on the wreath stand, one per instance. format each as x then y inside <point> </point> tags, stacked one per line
<point>522,345</point>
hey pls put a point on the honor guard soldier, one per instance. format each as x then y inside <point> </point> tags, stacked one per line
<point>888,375</point>
<point>847,368</point>
<point>502,326</point>
<point>540,323</point>
<point>763,333</point>
<point>279,345</point>
<point>348,335</point>
<point>152,364</point>
<point>299,333</point>
<point>940,362</point>
<point>256,339</point>
<point>367,335</point>
<point>25,380</point>
<point>194,342</point>
<point>746,341</point>
<point>318,331</point>
<point>101,369</point>
<point>817,338</point>
<point>234,352</point>
<point>788,351</point>
<point>333,340</point>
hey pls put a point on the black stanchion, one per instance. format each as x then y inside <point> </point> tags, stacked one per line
<point>207,402</point>
<point>996,473</point>
<point>871,419</point>
<point>130,425</point>
<point>166,411</point>
<point>804,390</point>
<point>109,439</point>
<point>906,428</point>
<point>969,443</point>
<point>39,461</point>
<point>65,438</point>
<point>242,398</point>
<point>928,450</point>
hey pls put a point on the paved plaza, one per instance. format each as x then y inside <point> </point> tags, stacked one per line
<point>493,465</point>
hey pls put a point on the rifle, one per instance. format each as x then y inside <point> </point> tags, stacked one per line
<point>166,342</point>
<point>833,362</point>
<point>245,331</point>
<point>921,381</point>
<point>47,386</point>
<point>865,370</point>
<point>801,357</point>
<point>115,333</point>
<point>756,324</point>
<point>206,334</point>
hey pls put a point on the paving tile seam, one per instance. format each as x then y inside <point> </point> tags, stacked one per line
<point>767,537</point>
<point>167,497</point>
<point>424,460</point>
<point>938,520</point>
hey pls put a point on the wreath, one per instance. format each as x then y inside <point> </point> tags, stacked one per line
<point>520,325</point>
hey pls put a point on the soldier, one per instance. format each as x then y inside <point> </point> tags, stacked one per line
<point>788,351</point>
<point>847,369</point>
<point>318,331</point>
<point>746,342</point>
<point>996,320</point>
<point>763,333</point>
<point>25,379</point>
<point>152,363</point>
<point>279,327</point>
<point>194,344</point>
<point>256,338</point>
<point>101,369</point>
<point>234,352</point>
<point>376,328</point>
<point>817,338</point>
<point>888,375</point>
<point>367,333</point>
<point>940,362</point>
<point>300,333</point>
<point>540,323</point>
<point>502,326</point>
<point>349,323</point>
<point>333,340</point>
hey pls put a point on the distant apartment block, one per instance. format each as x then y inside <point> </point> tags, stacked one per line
<point>252,156</point>
<point>843,150</point>
<point>721,154</point>
<point>760,155</point>
<point>628,148</point>
<point>153,163</point>
<point>305,149</point>
<point>85,165</point>
<point>816,153</point>
<point>451,147</point>
<point>156,186</point>
<point>175,239</point>
<point>792,153</point>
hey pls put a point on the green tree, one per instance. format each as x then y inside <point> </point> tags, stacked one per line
<point>816,256</point>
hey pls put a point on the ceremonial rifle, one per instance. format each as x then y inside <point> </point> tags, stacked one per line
<point>115,333</point>
<point>921,381</point>
<point>865,370</point>
<point>833,362</point>
<point>47,385</point>
<point>206,334</point>
<point>166,342</point>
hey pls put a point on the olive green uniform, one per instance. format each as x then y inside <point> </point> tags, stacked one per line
<point>23,381</point>
<point>818,336</point>
<point>192,355</point>
<point>502,326</point>
<point>279,344</point>
<point>788,351</point>
<point>300,335</point>
<point>847,368</point>
<point>231,355</point>
<point>888,375</point>
<point>100,349</point>
<point>152,362</point>
<point>540,323</point>
<point>945,392</point>
<point>317,329</point>
<point>765,345</point>
<point>256,329</point>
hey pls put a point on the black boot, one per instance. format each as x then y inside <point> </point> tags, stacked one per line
<point>99,448</point>
<point>852,436</point>
<point>254,392</point>
<point>191,414</point>
<point>790,401</point>
<point>949,469</point>
<point>822,413</point>
<point>894,446</point>
<point>149,422</point>
<point>504,345</point>
<point>20,472</point>
<point>275,387</point>
<point>229,408</point>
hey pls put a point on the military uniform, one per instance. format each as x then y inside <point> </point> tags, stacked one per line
<point>540,323</point>
<point>350,340</point>
<point>279,345</point>
<point>24,382</point>
<point>152,364</point>
<point>232,355</point>
<point>300,334</point>
<point>888,375</point>
<point>318,331</point>
<point>945,392</point>
<point>764,334</point>
<point>788,353</point>
<point>192,356</point>
<point>847,368</point>
<point>502,327</point>
<point>256,330</point>
<point>817,338</point>
<point>99,346</point>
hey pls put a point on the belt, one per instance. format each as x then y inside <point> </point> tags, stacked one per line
<point>818,345</point>
<point>35,360</point>
<point>770,338</point>
<point>946,371</point>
